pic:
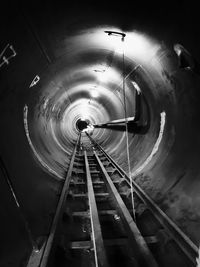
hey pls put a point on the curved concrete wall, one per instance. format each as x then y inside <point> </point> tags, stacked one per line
<point>164,160</point>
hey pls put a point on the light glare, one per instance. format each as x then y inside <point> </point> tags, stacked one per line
<point>94,93</point>
<point>137,88</point>
<point>108,74</point>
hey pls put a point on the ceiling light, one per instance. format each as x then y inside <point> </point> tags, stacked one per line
<point>118,44</point>
<point>114,33</point>
<point>100,71</point>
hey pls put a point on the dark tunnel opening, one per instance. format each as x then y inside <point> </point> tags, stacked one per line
<point>82,124</point>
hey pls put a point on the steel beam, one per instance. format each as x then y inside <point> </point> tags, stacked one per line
<point>40,259</point>
<point>140,248</point>
<point>184,242</point>
<point>99,250</point>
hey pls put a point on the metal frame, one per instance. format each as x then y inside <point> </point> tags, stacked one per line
<point>184,242</point>
<point>99,250</point>
<point>139,246</point>
<point>41,258</point>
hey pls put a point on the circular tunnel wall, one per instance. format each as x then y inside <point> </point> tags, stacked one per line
<point>58,42</point>
<point>88,83</point>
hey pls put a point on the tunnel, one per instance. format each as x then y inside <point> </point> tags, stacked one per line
<point>121,74</point>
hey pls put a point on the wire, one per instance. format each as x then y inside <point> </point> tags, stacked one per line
<point>21,213</point>
<point>127,139</point>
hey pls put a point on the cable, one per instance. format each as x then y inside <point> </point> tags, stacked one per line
<point>21,213</point>
<point>126,132</point>
<point>123,35</point>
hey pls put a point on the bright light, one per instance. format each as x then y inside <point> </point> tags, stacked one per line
<point>89,129</point>
<point>119,48</point>
<point>118,40</point>
<point>118,44</point>
<point>136,45</point>
<point>140,46</point>
<point>94,93</point>
<point>85,111</point>
<point>106,74</point>
<point>137,88</point>
<point>102,76</point>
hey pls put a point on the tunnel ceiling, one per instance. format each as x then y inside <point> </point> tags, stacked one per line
<point>87,82</point>
<point>84,77</point>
